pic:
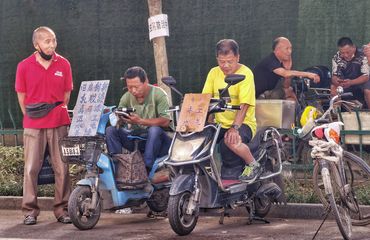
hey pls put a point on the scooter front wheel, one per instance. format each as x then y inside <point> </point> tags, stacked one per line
<point>81,215</point>
<point>181,222</point>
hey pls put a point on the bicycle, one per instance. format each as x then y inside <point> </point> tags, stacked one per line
<point>308,94</point>
<point>336,172</point>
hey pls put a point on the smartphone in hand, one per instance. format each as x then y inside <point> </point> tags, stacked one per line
<point>123,114</point>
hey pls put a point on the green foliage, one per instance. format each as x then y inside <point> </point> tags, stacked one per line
<point>297,192</point>
<point>11,173</point>
<point>363,194</point>
<point>11,170</point>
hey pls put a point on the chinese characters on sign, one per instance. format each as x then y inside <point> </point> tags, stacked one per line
<point>193,112</point>
<point>88,109</point>
<point>158,26</point>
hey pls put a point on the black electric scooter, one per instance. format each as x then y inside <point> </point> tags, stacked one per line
<point>198,185</point>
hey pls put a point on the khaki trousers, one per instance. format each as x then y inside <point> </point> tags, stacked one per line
<point>35,142</point>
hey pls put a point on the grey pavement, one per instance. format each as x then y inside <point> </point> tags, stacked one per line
<point>139,226</point>
<point>291,210</point>
<point>290,222</point>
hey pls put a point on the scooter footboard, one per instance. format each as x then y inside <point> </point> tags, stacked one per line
<point>182,183</point>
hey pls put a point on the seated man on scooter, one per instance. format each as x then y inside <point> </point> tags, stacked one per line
<point>238,127</point>
<point>151,116</point>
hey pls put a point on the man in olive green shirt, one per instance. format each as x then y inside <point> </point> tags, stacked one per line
<point>151,105</point>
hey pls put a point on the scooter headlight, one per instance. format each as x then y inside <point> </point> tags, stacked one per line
<point>186,150</point>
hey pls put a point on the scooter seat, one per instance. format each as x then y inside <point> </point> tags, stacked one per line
<point>226,182</point>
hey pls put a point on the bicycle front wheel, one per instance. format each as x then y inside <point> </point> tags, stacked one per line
<point>331,182</point>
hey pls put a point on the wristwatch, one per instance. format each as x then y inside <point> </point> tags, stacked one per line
<point>235,126</point>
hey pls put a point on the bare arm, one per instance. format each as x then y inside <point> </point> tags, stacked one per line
<point>240,114</point>
<point>232,135</point>
<point>293,73</point>
<point>21,97</point>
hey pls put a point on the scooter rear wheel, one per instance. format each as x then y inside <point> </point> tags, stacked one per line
<point>262,207</point>
<point>181,222</point>
<point>158,201</point>
<point>82,217</point>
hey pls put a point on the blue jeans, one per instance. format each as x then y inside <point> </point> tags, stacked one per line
<point>156,145</point>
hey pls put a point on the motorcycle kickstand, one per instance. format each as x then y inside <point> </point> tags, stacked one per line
<point>152,214</point>
<point>223,214</point>
<point>327,210</point>
<point>253,217</point>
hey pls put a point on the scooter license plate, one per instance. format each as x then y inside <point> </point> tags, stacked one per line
<point>71,151</point>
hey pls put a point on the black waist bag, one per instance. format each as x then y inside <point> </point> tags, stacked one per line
<point>39,110</point>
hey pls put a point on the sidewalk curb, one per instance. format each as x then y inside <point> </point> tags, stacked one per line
<point>291,210</point>
<point>15,202</point>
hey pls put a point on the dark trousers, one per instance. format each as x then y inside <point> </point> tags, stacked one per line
<point>232,164</point>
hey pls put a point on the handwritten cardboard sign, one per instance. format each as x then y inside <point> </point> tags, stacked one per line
<point>89,107</point>
<point>193,112</point>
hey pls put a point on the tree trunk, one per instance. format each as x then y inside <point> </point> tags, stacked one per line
<point>159,47</point>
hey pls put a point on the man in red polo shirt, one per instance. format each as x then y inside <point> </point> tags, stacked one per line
<point>44,77</point>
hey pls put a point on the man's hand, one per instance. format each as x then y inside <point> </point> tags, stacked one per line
<point>314,77</point>
<point>288,64</point>
<point>289,94</point>
<point>232,136</point>
<point>133,119</point>
<point>346,83</point>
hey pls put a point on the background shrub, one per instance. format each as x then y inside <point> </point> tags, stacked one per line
<point>11,173</point>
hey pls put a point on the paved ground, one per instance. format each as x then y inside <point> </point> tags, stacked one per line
<point>138,226</point>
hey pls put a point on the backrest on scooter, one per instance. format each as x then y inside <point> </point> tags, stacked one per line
<point>104,118</point>
<point>256,140</point>
<point>325,76</point>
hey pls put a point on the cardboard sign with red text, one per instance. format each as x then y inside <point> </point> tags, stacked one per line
<point>193,112</point>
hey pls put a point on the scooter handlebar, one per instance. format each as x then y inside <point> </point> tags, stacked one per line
<point>232,107</point>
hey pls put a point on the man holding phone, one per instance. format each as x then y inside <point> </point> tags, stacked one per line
<point>150,116</point>
<point>351,70</point>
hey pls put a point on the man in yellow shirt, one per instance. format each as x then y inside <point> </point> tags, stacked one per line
<point>238,127</point>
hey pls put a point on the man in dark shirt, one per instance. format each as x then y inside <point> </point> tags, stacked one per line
<point>272,76</point>
<point>351,70</point>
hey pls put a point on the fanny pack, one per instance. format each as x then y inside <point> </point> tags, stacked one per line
<point>39,110</point>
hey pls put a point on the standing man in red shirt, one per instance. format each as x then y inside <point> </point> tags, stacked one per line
<point>44,77</point>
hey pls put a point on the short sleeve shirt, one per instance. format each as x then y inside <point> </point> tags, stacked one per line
<point>45,85</point>
<point>155,104</point>
<point>264,76</point>
<point>352,69</point>
<point>243,92</point>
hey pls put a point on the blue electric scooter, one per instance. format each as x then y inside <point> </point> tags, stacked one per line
<point>99,189</point>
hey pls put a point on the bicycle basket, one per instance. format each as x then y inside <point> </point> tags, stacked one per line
<point>81,150</point>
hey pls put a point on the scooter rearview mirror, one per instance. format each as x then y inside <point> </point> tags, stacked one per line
<point>171,82</point>
<point>233,79</point>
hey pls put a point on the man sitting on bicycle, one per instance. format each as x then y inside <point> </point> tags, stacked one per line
<point>272,76</point>
<point>151,116</point>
